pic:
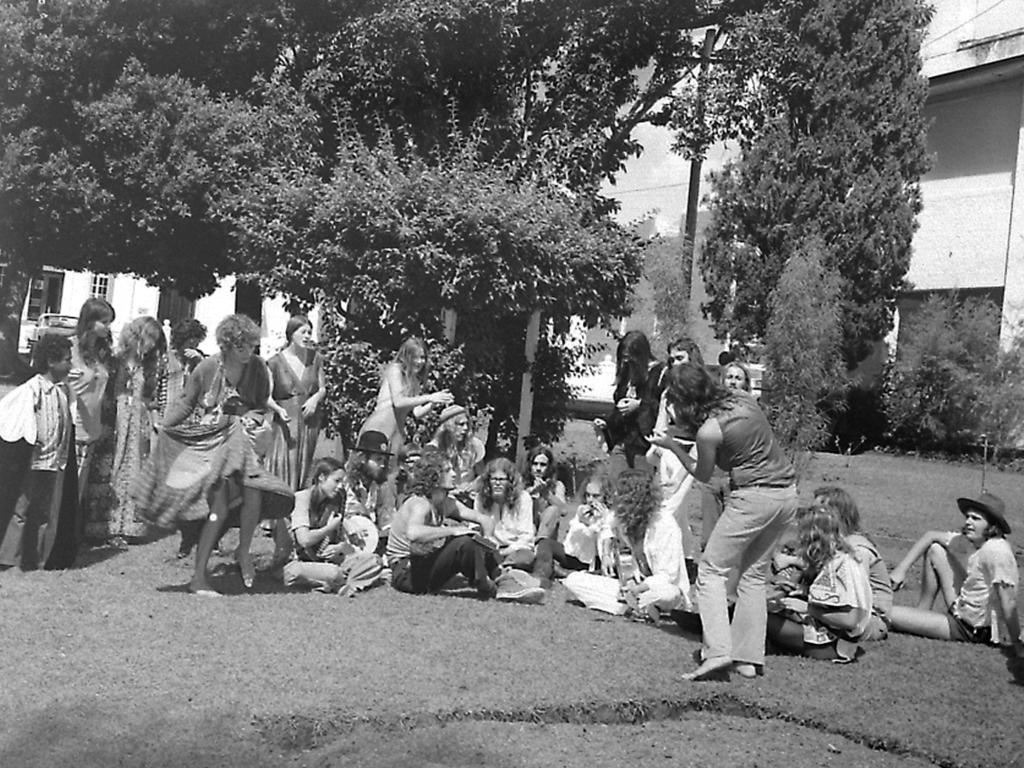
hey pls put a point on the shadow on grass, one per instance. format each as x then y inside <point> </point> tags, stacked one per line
<point>95,554</point>
<point>226,579</point>
<point>87,734</point>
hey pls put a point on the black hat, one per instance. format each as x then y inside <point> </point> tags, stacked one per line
<point>373,442</point>
<point>990,505</point>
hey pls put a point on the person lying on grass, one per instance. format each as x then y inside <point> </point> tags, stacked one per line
<point>831,618</point>
<point>976,603</point>
<point>425,552</point>
<point>660,582</point>
<point>865,550</point>
<point>325,558</point>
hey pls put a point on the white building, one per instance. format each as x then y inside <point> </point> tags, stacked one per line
<point>63,292</point>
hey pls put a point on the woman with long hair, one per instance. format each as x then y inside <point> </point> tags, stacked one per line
<point>140,366</point>
<point>401,393</point>
<point>209,469</point>
<point>299,388</point>
<point>545,489</point>
<point>638,387</point>
<point>829,622</point>
<point>325,560</point>
<point>502,496</point>
<point>91,352</point>
<point>733,433</point>
<point>456,442</point>
<point>659,582</point>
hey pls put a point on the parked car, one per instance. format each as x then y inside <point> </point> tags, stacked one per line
<point>51,322</point>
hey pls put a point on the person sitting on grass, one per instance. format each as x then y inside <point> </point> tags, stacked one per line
<point>464,450</point>
<point>424,552</point>
<point>365,471</point>
<point>324,559</point>
<point>502,498</point>
<point>573,542</point>
<point>545,489</point>
<point>976,603</point>
<point>830,622</point>
<point>865,550</point>
<point>660,582</point>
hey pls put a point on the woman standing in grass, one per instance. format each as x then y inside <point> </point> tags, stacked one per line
<point>140,370</point>
<point>205,470</point>
<point>733,433</point>
<point>976,603</point>
<point>299,387</point>
<point>91,352</point>
<point>401,393</point>
<point>638,387</point>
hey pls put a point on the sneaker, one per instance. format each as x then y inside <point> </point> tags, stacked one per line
<point>526,595</point>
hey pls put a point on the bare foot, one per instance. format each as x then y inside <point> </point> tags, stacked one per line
<point>202,589</point>
<point>743,669</point>
<point>710,668</point>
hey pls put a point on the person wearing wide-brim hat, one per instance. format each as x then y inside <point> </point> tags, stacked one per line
<point>365,472</point>
<point>455,440</point>
<point>976,602</point>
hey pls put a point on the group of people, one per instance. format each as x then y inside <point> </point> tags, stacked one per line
<point>202,443</point>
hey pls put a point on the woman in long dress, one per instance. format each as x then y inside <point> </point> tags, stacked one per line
<point>91,351</point>
<point>141,365</point>
<point>401,393</point>
<point>210,470</point>
<point>299,387</point>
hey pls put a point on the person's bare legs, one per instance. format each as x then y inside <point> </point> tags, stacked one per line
<point>248,520</point>
<point>208,539</point>
<point>915,621</point>
<point>941,575</point>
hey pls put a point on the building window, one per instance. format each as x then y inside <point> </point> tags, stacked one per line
<point>100,287</point>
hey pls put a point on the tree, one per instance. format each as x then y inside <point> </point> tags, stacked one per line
<point>389,240</point>
<point>805,374</point>
<point>826,98</point>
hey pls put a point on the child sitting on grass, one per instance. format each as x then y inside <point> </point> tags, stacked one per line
<point>38,413</point>
<point>832,621</point>
<point>977,603</point>
<point>866,552</point>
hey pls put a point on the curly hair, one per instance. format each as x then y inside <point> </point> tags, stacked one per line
<point>236,331</point>
<point>142,342</point>
<point>50,348</point>
<point>634,501</point>
<point>186,331</point>
<point>515,485</point>
<point>426,474</point>
<point>820,538</point>
<point>694,394</point>
<point>843,504</point>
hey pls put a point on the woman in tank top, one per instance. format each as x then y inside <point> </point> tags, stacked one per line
<point>733,433</point>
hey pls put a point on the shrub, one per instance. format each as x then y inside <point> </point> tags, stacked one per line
<point>805,376</point>
<point>937,390</point>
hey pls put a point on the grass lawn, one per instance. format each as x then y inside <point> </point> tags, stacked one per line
<point>112,663</point>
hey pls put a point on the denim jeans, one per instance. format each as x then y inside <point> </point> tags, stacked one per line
<point>738,552</point>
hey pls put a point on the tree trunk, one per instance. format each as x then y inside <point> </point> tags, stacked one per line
<point>17,277</point>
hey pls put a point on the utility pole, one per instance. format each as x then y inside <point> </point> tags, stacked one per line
<point>693,191</point>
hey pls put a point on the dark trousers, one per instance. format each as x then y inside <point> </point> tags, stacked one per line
<point>28,533</point>
<point>429,573</point>
<point>549,552</point>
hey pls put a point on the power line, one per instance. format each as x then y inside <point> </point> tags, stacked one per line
<point>975,17</point>
<point>615,191</point>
